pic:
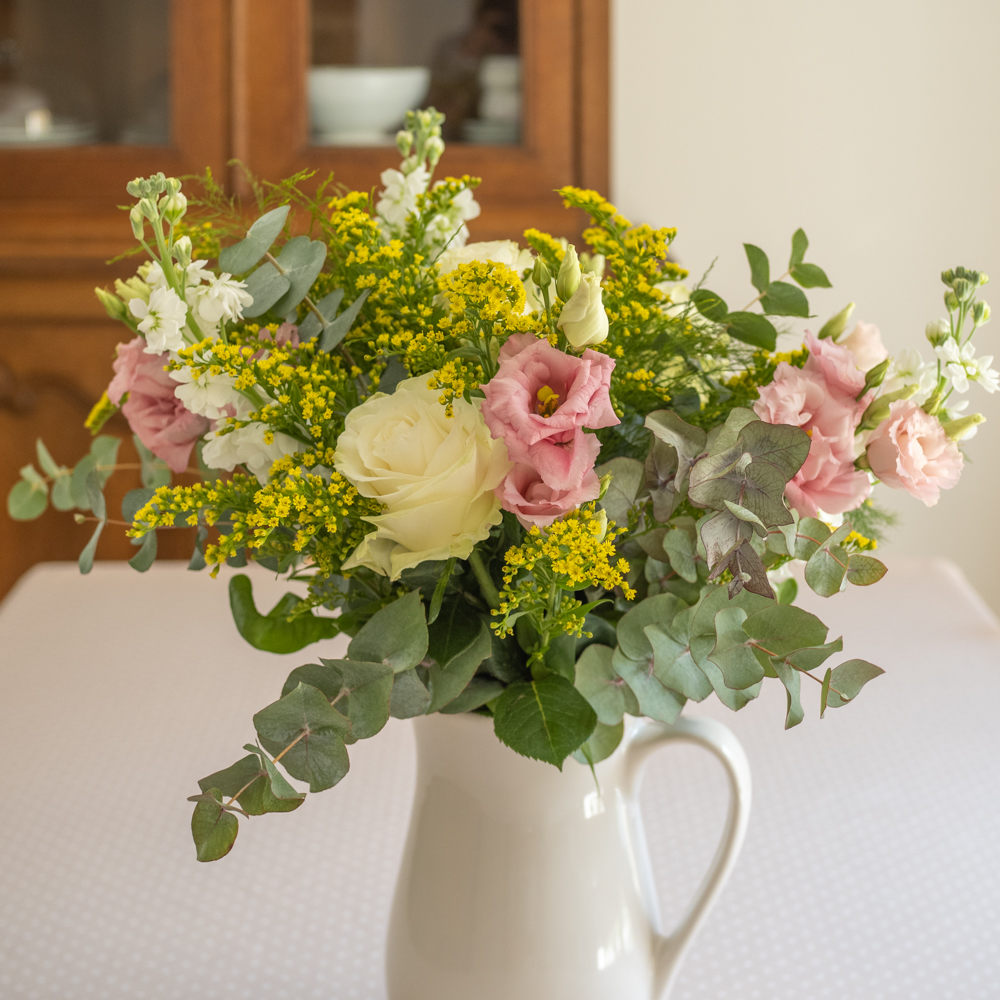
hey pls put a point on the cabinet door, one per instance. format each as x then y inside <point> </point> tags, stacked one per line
<point>562,125</point>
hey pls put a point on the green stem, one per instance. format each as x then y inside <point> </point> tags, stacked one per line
<point>486,584</point>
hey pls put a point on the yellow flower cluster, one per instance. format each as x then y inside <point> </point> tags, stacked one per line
<point>492,289</point>
<point>455,378</point>
<point>546,245</point>
<point>860,543</point>
<point>102,411</point>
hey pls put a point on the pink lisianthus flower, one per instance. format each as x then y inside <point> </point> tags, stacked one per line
<point>819,398</point>
<point>534,502</point>
<point>911,451</point>
<point>540,401</point>
<point>155,415</point>
<point>865,343</point>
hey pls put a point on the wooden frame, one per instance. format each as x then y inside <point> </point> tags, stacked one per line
<point>564,125</point>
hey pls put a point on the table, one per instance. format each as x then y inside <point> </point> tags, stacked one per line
<point>871,869</point>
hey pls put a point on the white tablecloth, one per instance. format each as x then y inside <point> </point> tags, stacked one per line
<point>871,869</point>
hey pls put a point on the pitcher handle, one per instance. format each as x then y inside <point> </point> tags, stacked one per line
<point>717,738</point>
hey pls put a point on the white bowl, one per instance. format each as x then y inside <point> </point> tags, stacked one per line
<point>358,105</point>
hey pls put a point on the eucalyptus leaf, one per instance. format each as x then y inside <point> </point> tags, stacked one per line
<point>134,501</point>
<point>409,695</point>
<point>760,268</point>
<point>154,472</point>
<point>655,700</point>
<point>679,548</point>
<point>752,329</point>
<point>305,718</point>
<point>212,827</point>
<point>847,680</point>
<point>656,610</point>
<point>827,566</point>
<point>395,372</point>
<point>810,276</point>
<point>862,570</point>
<point>240,257</point>
<point>62,492</point>
<point>266,286</point>
<point>49,465</point>
<point>811,657</point>
<point>800,243</point>
<point>627,484</point>
<point>598,682</point>
<point>337,330</point>
<point>787,591</point>
<point>687,440</point>
<point>302,259</point>
<point>396,634</point>
<point>327,307</point>
<point>272,632</point>
<point>146,555</point>
<point>659,479</point>
<point>792,681</point>
<point>602,744</point>
<point>545,719</point>
<point>810,534</point>
<point>250,778</point>
<point>86,559</point>
<point>732,653</point>
<point>783,299</point>
<point>477,693</point>
<point>673,663</point>
<point>710,305</point>
<point>781,629</point>
<point>27,500</point>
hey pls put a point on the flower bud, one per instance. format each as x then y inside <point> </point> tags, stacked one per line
<point>878,409</point>
<point>157,183</point>
<point>173,207</point>
<point>964,427</point>
<point>404,141</point>
<point>948,277</point>
<point>593,263</point>
<point>605,484</point>
<point>148,208</point>
<point>113,305</point>
<point>963,289</point>
<point>950,300</point>
<point>937,331</point>
<point>541,275</point>
<point>875,376</point>
<point>981,314</point>
<point>138,221</point>
<point>836,325</point>
<point>983,278</point>
<point>433,150</point>
<point>182,250</point>
<point>583,319</point>
<point>602,520</point>
<point>173,185</point>
<point>135,188</point>
<point>569,274</point>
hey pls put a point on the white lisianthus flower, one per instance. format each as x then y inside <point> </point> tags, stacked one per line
<point>221,300</point>
<point>256,446</point>
<point>962,366</point>
<point>435,474</point>
<point>161,320</point>
<point>212,396</point>
<point>399,196</point>
<point>583,318</point>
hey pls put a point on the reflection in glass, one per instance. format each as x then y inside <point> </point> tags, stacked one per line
<point>84,71</point>
<point>373,60</point>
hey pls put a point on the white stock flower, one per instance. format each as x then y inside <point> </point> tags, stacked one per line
<point>399,196</point>
<point>212,396</point>
<point>160,320</point>
<point>222,299</point>
<point>449,229</point>
<point>907,368</point>
<point>435,474</point>
<point>256,446</point>
<point>194,274</point>
<point>583,319</point>
<point>962,366</point>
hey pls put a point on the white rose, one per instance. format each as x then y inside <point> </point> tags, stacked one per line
<point>434,474</point>
<point>583,318</point>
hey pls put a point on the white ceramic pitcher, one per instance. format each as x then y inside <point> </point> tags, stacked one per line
<point>519,882</point>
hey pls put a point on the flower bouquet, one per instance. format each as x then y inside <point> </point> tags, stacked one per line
<point>550,487</point>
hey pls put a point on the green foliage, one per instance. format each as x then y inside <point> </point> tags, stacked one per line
<point>275,632</point>
<point>844,683</point>
<point>240,257</point>
<point>546,719</point>
<point>214,829</point>
<point>459,641</point>
<point>396,635</point>
<point>256,784</point>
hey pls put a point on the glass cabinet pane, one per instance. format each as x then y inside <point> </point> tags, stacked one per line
<point>84,71</point>
<point>372,60</point>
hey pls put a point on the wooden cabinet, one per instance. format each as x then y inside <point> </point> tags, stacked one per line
<point>238,91</point>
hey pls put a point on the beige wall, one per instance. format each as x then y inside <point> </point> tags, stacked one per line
<point>873,125</point>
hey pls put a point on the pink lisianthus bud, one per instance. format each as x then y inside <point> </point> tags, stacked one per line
<point>155,415</point>
<point>539,403</point>
<point>911,451</point>
<point>865,343</point>
<point>525,494</point>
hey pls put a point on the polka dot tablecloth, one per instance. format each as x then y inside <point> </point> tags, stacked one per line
<point>871,869</point>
